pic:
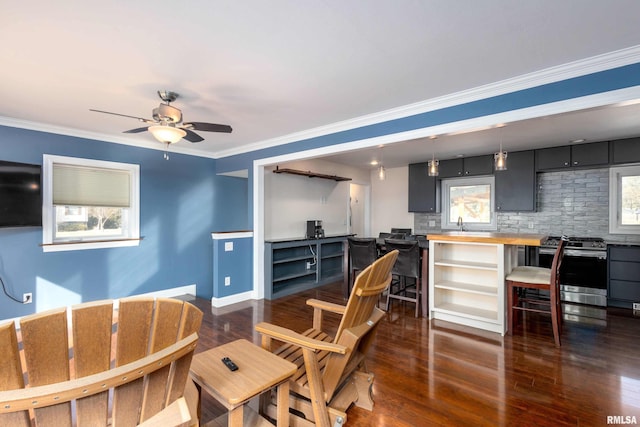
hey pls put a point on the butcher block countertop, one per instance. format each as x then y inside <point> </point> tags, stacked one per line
<point>486,237</point>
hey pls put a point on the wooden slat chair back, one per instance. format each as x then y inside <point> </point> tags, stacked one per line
<point>112,364</point>
<point>332,373</point>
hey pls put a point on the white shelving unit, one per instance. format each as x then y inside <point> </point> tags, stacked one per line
<point>466,282</point>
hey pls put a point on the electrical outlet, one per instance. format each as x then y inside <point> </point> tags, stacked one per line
<point>27,298</point>
<point>636,305</point>
<point>227,281</point>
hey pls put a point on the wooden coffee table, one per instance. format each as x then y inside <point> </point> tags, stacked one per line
<point>258,371</point>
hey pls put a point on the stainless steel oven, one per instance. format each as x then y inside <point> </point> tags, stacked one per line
<point>583,274</point>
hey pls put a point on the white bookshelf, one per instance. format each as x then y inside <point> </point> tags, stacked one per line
<point>466,282</point>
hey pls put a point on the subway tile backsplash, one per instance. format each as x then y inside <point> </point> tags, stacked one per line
<point>571,202</point>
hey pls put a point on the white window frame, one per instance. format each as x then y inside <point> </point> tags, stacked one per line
<point>470,226</point>
<point>48,214</point>
<point>615,208</point>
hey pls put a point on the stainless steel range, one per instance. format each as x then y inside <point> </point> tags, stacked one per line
<point>583,274</point>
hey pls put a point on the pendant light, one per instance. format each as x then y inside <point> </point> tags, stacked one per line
<point>382,174</point>
<point>432,165</point>
<point>500,158</point>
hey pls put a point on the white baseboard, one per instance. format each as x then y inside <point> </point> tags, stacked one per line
<point>231,299</point>
<point>172,292</point>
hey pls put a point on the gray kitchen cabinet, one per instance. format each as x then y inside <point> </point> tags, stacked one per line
<point>553,158</point>
<point>423,194</point>
<point>468,166</point>
<point>593,154</point>
<point>452,168</point>
<point>625,151</point>
<point>567,156</point>
<point>623,284</point>
<point>516,186</point>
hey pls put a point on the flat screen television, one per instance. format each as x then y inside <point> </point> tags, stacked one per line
<point>20,194</point>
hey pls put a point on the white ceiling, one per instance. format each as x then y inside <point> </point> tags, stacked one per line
<point>274,68</point>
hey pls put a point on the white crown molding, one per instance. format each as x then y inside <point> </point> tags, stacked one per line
<point>139,143</point>
<point>579,68</point>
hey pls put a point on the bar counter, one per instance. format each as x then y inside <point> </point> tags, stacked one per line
<point>521,239</point>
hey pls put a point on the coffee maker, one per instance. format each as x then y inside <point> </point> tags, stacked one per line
<point>314,229</point>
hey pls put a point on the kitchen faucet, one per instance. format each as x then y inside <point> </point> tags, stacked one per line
<point>460,223</point>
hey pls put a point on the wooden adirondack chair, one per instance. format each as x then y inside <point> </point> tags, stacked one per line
<point>331,371</point>
<point>116,364</point>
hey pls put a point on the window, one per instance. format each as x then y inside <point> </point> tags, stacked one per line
<point>624,200</point>
<point>89,204</point>
<point>472,200</point>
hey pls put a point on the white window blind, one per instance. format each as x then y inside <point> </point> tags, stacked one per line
<point>83,186</point>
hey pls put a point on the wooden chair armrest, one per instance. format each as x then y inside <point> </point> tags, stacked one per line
<point>175,415</point>
<point>326,306</point>
<point>289,336</point>
<point>319,307</point>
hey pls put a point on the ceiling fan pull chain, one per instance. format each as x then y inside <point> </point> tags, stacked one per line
<point>166,151</point>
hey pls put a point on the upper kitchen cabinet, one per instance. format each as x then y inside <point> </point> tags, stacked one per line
<point>468,166</point>
<point>422,189</point>
<point>516,186</point>
<point>593,154</point>
<point>566,156</point>
<point>625,151</point>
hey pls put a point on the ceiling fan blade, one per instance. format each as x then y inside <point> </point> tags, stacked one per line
<point>192,136</point>
<point>209,127</point>
<point>136,130</point>
<point>123,115</point>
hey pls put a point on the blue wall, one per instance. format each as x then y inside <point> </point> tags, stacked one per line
<point>235,264</point>
<point>182,201</point>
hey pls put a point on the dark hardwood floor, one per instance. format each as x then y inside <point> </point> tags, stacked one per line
<point>437,373</point>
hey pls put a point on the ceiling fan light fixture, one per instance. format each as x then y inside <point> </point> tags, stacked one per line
<point>167,134</point>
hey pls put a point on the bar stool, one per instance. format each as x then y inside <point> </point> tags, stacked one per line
<point>546,279</point>
<point>407,266</point>
<point>363,252</point>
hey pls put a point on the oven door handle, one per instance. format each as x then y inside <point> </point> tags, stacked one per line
<point>576,253</point>
<point>546,251</point>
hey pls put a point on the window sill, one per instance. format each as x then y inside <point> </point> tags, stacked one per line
<point>93,244</point>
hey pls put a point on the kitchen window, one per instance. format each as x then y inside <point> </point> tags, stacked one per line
<point>624,200</point>
<point>89,204</point>
<point>470,199</point>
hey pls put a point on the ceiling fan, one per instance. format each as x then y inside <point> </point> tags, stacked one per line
<point>167,126</point>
